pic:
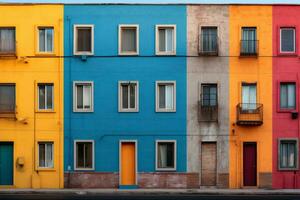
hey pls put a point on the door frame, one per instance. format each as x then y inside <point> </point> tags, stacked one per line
<point>242,160</point>
<point>13,166</point>
<point>120,158</point>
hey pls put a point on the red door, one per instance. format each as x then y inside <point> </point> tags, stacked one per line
<point>249,163</point>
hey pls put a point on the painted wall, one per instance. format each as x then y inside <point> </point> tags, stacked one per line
<point>251,70</point>
<point>106,126</point>
<point>285,68</point>
<point>30,126</point>
<point>211,69</point>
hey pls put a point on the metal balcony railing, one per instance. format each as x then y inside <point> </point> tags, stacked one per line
<point>208,44</point>
<point>249,114</point>
<point>249,48</point>
<point>207,113</point>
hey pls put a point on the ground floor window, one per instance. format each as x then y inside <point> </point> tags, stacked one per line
<point>166,155</point>
<point>84,155</point>
<point>46,154</point>
<point>288,149</point>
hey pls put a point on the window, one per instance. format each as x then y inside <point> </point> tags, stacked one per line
<point>128,39</point>
<point>209,39</point>
<point>83,97</point>
<point>84,155</point>
<point>128,96</point>
<point>288,96</point>
<point>287,40</point>
<point>166,155</point>
<point>288,156</point>
<point>165,96</point>
<point>46,154</point>
<point>166,39</point>
<point>209,95</point>
<point>45,96</point>
<point>249,40</point>
<point>46,39</point>
<point>248,96</point>
<point>7,98</point>
<point>83,39</point>
<point>7,40</point>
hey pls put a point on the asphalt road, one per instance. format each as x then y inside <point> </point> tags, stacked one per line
<point>143,197</point>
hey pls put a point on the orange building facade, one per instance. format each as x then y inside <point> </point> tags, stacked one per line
<point>250,89</point>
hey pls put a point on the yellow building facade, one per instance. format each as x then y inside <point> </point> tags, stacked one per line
<point>250,93</point>
<point>31,79</point>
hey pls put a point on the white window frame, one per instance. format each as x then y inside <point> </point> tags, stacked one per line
<point>157,51</point>
<point>75,109</point>
<point>156,155</point>
<point>136,26</point>
<point>38,96</point>
<point>38,41</point>
<point>75,52</point>
<point>296,156</point>
<point>45,142</point>
<point>157,83</point>
<point>283,28</point>
<point>93,156</point>
<point>121,109</point>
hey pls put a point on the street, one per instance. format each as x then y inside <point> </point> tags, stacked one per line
<point>86,196</point>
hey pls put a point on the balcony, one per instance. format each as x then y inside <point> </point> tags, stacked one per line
<point>249,114</point>
<point>207,113</point>
<point>208,45</point>
<point>249,48</point>
<point>7,111</point>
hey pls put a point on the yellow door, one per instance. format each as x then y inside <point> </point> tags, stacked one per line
<point>128,163</point>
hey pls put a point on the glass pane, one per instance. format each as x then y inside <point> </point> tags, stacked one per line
<point>128,40</point>
<point>49,96</point>
<point>79,97</point>
<point>88,155</point>
<point>42,47</point>
<point>49,155</point>
<point>42,159</point>
<point>169,96</point>
<point>288,40</point>
<point>291,155</point>
<point>7,40</point>
<point>213,95</point>
<point>170,39</point>
<point>209,39</point>
<point>162,39</point>
<point>166,155</point>
<point>49,39</point>
<point>80,155</point>
<point>249,40</point>
<point>87,96</point>
<point>125,96</point>
<point>132,95</point>
<point>84,39</point>
<point>42,97</point>
<point>283,96</point>
<point>162,96</point>
<point>291,96</point>
<point>283,155</point>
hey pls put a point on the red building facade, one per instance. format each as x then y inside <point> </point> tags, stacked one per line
<point>286,75</point>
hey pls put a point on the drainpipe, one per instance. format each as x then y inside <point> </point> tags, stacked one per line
<point>295,172</point>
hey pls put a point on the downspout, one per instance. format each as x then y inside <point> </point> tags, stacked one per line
<point>295,172</point>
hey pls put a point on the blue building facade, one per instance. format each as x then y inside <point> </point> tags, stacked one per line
<point>98,133</point>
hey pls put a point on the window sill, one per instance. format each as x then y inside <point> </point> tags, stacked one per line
<point>83,111</point>
<point>83,53</point>
<point>45,111</point>
<point>46,169</point>
<point>288,169</point>
<point>165,53</point>
<point>128,53</point>
<point>286,110</point>
<point>41,54</point>
<point>84,169</point>
<point>165,111</point>
<point>128,111</point>
<point>165,170</point>
<point>294,54</point>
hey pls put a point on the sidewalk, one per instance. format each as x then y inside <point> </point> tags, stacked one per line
<point>155,191</point>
